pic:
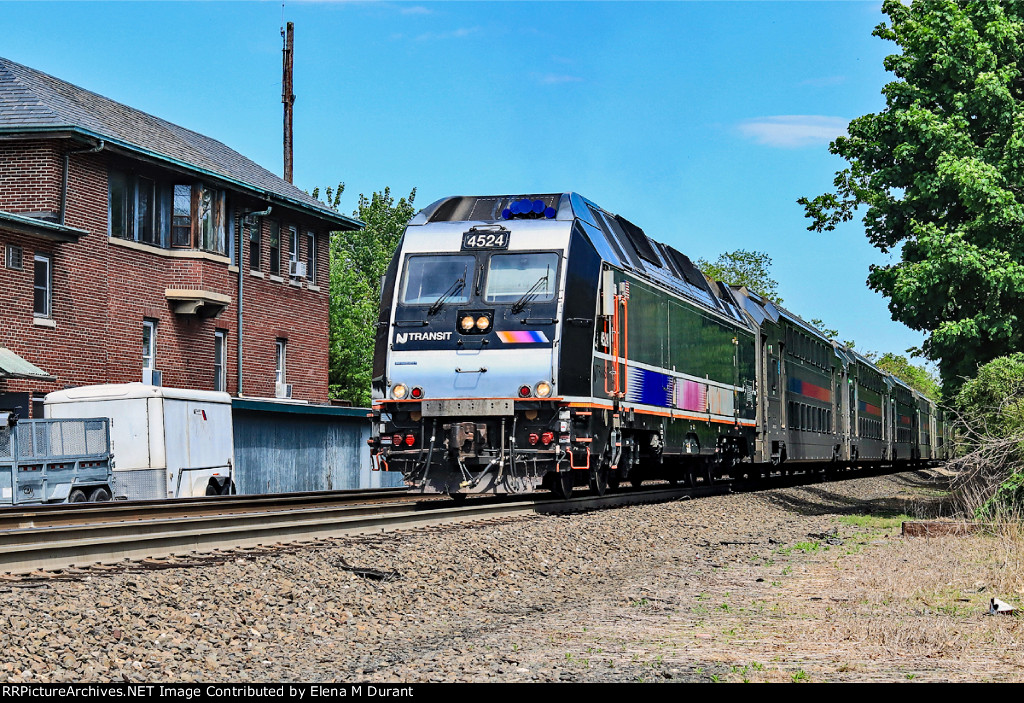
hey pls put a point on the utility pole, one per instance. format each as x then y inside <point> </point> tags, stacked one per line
<point>288,97</point>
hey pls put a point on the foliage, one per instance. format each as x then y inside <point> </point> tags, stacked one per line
<point>941,173</point>
<point>993,402</point>
<point>743,268</point>
<point>831,332</point>
<point>916,376</point>
<point>991,408</point>
<point>358,260</point>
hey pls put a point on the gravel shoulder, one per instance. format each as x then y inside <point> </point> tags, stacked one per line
<point>810,583</point>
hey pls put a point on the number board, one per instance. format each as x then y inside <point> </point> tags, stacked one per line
<point>485,240</point>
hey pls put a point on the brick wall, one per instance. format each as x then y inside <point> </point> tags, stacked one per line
<point>30,176</point>
<point>103,290</point>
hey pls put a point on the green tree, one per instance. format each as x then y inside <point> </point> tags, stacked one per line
<point>940,172</point>
<point>358,260</point>
<point>827,331</point>
<point>914,375</point>
<point>743,268</point>
<point>992,403</point>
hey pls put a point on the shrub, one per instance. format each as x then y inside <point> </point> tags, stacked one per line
<point>991,461</point>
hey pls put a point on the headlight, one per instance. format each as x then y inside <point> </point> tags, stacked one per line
<point>467,323</point>
<point>482,323</point>
<point>399,391</point>
<point>542,389</point>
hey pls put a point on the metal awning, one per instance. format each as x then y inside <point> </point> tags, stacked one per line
<point>13,366</point>
<point>22,224</point>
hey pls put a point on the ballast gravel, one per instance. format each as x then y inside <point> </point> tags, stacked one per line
<point>601,596</point>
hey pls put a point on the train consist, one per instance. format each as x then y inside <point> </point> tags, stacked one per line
<point>540,341</point>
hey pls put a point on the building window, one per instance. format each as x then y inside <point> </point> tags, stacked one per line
<point>311,257</point>
<point>293,249</point>
<point>15,258</point>
<point>181,218</point>
<point>148,345</point>
<point>275,249</point>
<point>281,360</point>
<point>255,242</point>
<point>210,216</point>
<point>117,206</point>
<point>145,211</point>
<point>220,355</point>
<point>43,285</point>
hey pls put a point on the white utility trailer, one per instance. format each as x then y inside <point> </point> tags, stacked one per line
<point>169,442</point>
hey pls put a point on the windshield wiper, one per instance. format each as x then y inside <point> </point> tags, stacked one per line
<point>454,288</point>
<point>530,294</point>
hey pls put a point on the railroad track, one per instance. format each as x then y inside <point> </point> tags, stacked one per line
<point>54,538</point>
<point>60,537</point>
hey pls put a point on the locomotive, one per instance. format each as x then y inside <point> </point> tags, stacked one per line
<point>541,342</point>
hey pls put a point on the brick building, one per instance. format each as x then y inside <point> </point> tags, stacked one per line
<point>126,244</point>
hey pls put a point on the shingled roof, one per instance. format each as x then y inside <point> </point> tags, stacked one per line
<point>32,101</point>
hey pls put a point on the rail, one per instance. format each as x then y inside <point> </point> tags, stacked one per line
<point>48,540</point>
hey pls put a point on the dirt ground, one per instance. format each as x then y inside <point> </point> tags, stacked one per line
<point>856,602</point>
<point>810,583</point>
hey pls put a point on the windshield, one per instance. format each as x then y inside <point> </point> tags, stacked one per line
<point>513,276</point>
<point>428,278</point>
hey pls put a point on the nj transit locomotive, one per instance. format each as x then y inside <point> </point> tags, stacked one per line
<point>540,341</point>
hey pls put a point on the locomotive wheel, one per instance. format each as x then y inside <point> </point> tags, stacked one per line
<point>708,474</point>
<point>562,484</point>
<point>614,479</point>
<point>599,480</point>
<point>636,480</point>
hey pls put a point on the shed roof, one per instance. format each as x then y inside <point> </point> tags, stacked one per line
<point>13,366</point>
<point>32,101</point>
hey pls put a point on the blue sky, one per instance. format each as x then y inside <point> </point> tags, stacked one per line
<point>702,122</point>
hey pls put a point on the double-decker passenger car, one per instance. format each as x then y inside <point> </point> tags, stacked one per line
<point>541,341</point>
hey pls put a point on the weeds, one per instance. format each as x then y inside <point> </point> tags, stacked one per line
<point>876,522</point>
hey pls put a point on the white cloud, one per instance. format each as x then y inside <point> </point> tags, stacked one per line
<point>554,79</point>
<point>793,131</point>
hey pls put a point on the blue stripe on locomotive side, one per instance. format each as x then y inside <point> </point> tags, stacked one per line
<point>650,388</point>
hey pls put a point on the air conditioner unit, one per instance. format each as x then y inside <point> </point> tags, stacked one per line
<point>282,390</point>
<point>152,377</point>
<point>297,269</point>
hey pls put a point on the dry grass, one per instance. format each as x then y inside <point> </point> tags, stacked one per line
<point>879,607</point>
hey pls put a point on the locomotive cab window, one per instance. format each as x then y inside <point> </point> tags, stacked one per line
<point>429,278</point>
<point>515,276</point>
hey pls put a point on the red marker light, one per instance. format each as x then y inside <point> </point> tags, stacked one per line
<point>524,391</point>
<point>534,438</point>
<point>396,439</point>
<point>410,440</point>
<point>416,392</point>
<point>547,438</point>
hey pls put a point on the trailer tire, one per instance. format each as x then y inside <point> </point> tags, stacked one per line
<point>77,496</point>
<point>99,495</point>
